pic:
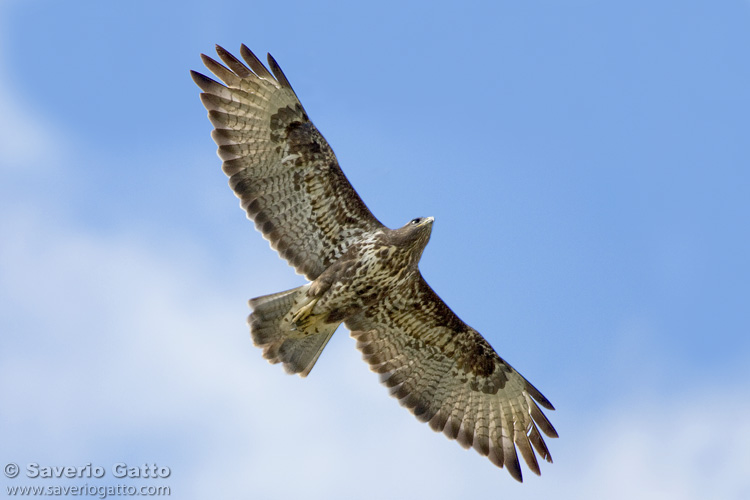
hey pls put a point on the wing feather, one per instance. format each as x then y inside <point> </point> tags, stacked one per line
<point>255,63</point>
<point>234,64</point>
<point>447,374</point>
<point>280,166</point>
<point>221,71</point>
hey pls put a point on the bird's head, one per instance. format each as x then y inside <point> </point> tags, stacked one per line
<point>419,225</point>
<point>415,234</point>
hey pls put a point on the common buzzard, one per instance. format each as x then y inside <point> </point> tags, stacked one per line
<point>361,273</point>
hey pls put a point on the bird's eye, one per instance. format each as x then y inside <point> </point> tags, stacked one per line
<point>416,221</point>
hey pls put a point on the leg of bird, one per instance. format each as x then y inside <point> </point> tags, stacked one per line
<point>303,313</point>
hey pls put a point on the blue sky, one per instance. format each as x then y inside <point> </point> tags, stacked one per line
<point>587,166</point>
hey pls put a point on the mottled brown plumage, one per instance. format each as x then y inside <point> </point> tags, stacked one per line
<point>361,273</point>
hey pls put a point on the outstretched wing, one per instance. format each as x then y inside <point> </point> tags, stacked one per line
<point>447,374</point>
<point>279,165</point>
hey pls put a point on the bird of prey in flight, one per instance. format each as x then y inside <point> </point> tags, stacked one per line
<point>360,273</point>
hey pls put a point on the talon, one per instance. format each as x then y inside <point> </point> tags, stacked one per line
<point>304,312</point>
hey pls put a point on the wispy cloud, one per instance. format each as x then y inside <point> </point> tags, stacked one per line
<point>691,449</point>
<point>27,136</point>
<point>115,344</point>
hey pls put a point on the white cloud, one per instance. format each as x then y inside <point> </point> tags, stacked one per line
<point>691,449</point>
<point>112,343</point>
<point>123,349</point>
<point>26,136</point>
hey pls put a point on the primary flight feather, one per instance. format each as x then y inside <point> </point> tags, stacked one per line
<point>361,273</point>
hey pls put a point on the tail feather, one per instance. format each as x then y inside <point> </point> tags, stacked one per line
<point>297,347</point>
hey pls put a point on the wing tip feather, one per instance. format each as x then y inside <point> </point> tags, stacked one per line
<point>237,66</point>
<point>252,60</point>
<point>204,82</point>
<point>276,69</point>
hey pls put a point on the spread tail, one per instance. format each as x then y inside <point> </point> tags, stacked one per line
<point>275,327</point>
